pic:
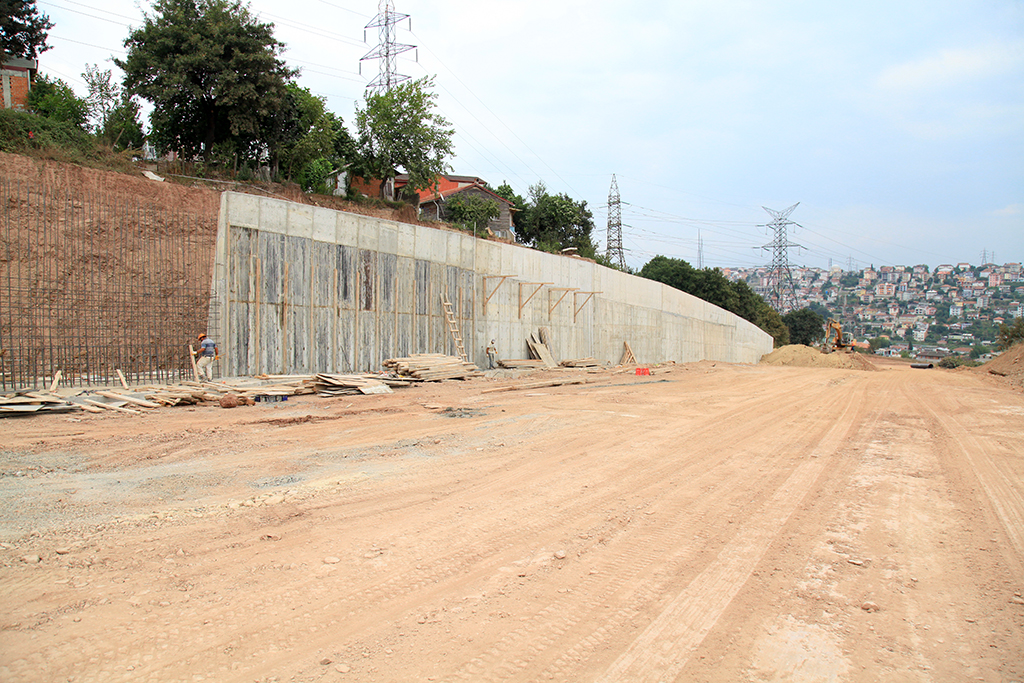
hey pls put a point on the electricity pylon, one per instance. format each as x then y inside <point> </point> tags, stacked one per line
<point>387,50</point>
<point>782,292</point>
<point>614,252</point>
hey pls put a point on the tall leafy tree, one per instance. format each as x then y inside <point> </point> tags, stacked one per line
<point>805,326</point>
<point>712,286</point>
<point>54,99</point>
<point>400,129</point>
<point>23,30</point>
<point>471,212</point>
<point>212,72</point>
<point>556,222</point>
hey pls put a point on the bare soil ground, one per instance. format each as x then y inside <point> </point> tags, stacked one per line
<point>710,522</point>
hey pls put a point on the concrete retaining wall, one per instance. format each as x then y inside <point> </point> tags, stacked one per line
<point>304,289</point>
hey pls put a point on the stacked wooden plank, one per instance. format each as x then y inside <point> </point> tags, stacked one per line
<point>432,367</point>
<point>539,349</point>
<point>344,385</point>
<point>521,364</point>
<point>582,363</point>
<point>29,402</point>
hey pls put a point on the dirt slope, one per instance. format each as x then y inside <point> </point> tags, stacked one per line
<point>1009,365</point>
<point>712,523</point>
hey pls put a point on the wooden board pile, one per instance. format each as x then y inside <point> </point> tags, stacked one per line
<point>521,364</point>
<point>344,385</point>
<point>25,402</point>
<point>432,367</point>
<point>537,342</point>
<point>582,363</point>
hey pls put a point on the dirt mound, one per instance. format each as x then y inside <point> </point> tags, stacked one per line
<point>1009,364</point>
<point>805,357</point>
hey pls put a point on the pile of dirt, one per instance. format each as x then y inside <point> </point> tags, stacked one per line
<point>806,357</point>
<point>1009,364</point>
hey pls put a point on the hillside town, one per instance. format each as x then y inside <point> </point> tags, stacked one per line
<point>913,311</point>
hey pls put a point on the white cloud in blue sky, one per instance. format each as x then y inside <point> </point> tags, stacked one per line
<point>899,127</point>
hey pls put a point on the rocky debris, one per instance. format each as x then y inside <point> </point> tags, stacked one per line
<point>229,401</point>
<point>31,559</point>
<point>869,606</point>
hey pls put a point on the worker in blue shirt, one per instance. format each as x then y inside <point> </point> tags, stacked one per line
<point>205,355</point>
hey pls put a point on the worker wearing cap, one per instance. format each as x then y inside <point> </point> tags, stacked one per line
<point>492,352</point>
<point>205,356</point>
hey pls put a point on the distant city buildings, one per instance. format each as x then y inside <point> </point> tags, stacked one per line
<point>949,308</point>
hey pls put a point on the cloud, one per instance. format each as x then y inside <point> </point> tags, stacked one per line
<point>1011,210</point>
<point>952,67</point>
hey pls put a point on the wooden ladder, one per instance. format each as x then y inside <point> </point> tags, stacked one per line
<point>453,327</point>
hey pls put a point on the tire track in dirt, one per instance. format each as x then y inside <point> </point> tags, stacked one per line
<point>662,650</point>
<point>1003,495</point>
<point>495,541</point>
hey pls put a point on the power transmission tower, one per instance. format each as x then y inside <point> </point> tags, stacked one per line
<point>782,292</point>
<point>387,50</point>
<point>987,256</point>
<point>614,252</point>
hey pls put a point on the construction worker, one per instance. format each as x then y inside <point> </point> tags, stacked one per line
<point>205,356</point>
<point>492,353</point>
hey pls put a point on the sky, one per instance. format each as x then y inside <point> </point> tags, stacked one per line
<point>898,126</point>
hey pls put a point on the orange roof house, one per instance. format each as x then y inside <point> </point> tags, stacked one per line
<point>432,201</point>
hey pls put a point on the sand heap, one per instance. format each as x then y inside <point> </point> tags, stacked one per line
<point>1009,364</point>
<point>806,357</point>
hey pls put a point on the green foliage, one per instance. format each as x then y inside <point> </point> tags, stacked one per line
<point>122,128</point>
<point>400,129</point>
<point>23,30</point>
<point>978,350</point>
<point>314,175</point>
<point>1011,334</point>
<point>22,132</point>
<point>555,222</point>
<point>879,343</point>
<point>471,212</point>
<point>710,285</point>
<point>951,362</point>
<point>518,203</point>
<point>850,279</point>
<point>55,100</point>
<point>213,74</point>
<point>805,326</point>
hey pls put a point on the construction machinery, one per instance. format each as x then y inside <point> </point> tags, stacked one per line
<point>834,337</point>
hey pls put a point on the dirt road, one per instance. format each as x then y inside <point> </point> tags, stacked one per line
<point>709,523</point>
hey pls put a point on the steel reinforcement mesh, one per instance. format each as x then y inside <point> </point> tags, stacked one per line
<point>96,283</point>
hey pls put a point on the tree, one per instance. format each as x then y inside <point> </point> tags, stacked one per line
<point>122,128</point>
<point>23,30</point>
<point>103,94</point>
<point>55,100</point>
<point>1011,334</point>
<point>709,284</point>
<point>805,326</point>
<point>556,222</point>
<point>470,211</point>
<point>212,73</point>
<point>399,128</point>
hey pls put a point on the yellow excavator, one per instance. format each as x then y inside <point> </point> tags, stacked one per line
<point>834,338</point>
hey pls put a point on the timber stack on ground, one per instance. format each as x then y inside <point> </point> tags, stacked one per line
<point>432,367</point>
